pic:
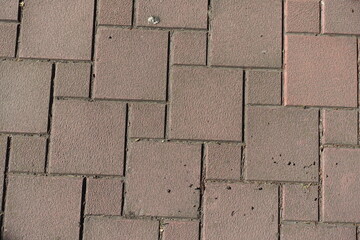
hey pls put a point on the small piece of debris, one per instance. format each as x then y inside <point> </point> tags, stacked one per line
<point>153,20</point>
<point>22,4</point>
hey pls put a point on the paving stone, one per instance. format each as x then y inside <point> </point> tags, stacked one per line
<point>341,16</point>
<point>206,103</point>
<point>147,120</point>
<point>131,64</point>
<point>341,185</point>
<point>8,33</point>
<point>39,207</point>
<point>103,196</point>
<point>9,9</point>
<point>115,12</point>
<point>246,210</point>
<point>117,228</point>
<point>174,167</point>
<point>189,48</point>
<point>72,79</point>
<point>87,137</point>
<point>246,33</point>
<point>318,232</point>
<point>263,87</point>
<point>300,202</point>
<point>64,32</point>
<point>24,96</point>
<point>172,13</point>
<point>181,230</point>
<point>281,144</point>
<point>319,77</point>
<point>302,16</point>
<point>223,161</point>
<point>27,154</point>
<point>340,126</point>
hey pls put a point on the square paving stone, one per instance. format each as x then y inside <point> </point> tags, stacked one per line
<point>206,103</point>
<point>87,137</point>
<point>39,207</point>
<point>9,9</point>
<point>163,179</point>
<point>131,64</point>
<point>64,32</point>
<point>24,96</point>
<point>246,210</point>
<point>302,16</point>
<point>281,144</point>
<point>115,12</point>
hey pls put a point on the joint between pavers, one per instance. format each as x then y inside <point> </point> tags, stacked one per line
<point>80,175</point>
<point>316,223</point>
<point>320,162</point>
<point>202,189</point>
<point>190,141</point>
<point>126,147</point>
<point>82,209</point>
<point>280,207</point>
<point>322,34</point>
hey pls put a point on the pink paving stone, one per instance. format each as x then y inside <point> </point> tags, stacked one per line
<point>64,32</point>
<point>131,64</point>
<point>9,9</point>
<point>318,232</point>
<point>39,207</point>
<point>27,154</point>
<point>263,87</point>
<point>8,39</point>
<point>105,228</point>
<point>172,13</point>
<point>163,179</point>
<point>87,137</point>
<point>300,202</point>
<point>246,33</point>
<point>223,161</point>
<point>302,16</point>
<point>103,196</point>
<point>281,144</point>
<point>341,16</point>
<point>246,210</point>
<point>181,230</point>
<point>115,12</point>
<point>341,187</point>
<point>24,96</point>
<point>72,79</point>
<point>147,120</point>
<point>319,77</point>
<point>189,48</point>
<point>340,126</point>
<point>206,103</point>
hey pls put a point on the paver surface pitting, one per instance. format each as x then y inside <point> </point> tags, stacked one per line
<point>179,120</point>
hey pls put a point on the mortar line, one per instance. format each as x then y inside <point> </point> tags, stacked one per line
<point>358,88</point>
<point>195,141</point>
<point>244,92</point>
<point>82,209</point>
<point>126,141</point>
<point>142,217</point>
<point>51,60</point>
<point>320,129</point>
<point>18,32</point>
<point>305,222</point>
<point>167,93</point>
<point>94,32</point>
<point>320,16</point>
<point>151,27</point>
<point>133,16</point>
<point>242,164</point>
<point>280,204</point>
<point>109,100</point>
<point>5,184</point>
<point>208,33</point>
<point>67,175</point>
<point>282,94</point>
<point>161,230</point>
<point>202,189</point>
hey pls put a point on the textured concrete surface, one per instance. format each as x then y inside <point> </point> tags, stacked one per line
<point>179,120</point>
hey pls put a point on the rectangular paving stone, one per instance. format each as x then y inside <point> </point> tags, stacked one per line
<point>300,202</point>
<point>8,32</point>
<point>24,96</point>
<point>131,64</point>
<point>115,12</point>
<point>175,230</point>
<point>39,207</point>
<point>87,137</point>
<point>341,189</point>
<point>206,103</point>
<point>64,32</point>
<point>340,126</point>
<point>189,47</point>
<point>341,16</point>
<point>318,232</point>
<point>246,33</point>
<point>302,16</point>
<point>223,161</point>
<point>72,79</point>
<point>103,196</point>
<point>3,150</point>
<point>234,210</point>
<point>316,76</point>
<point>27,154</point>
<point>105,228</point>
<point>9,9</point>
<point>172,13</point>
<point>163,179</point>
<point>281,144</point>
